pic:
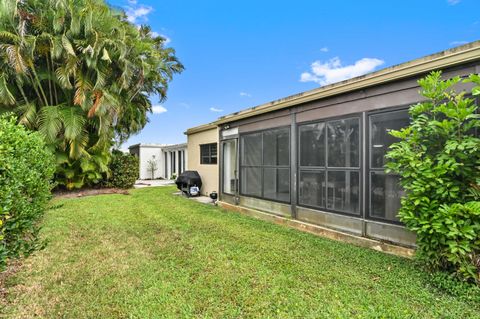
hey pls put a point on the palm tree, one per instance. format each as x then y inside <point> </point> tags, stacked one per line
<point>79,73</point>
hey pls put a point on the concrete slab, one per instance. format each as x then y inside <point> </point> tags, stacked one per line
<point>200,199</point>
<point>203,199</point>
<point>153,183</point>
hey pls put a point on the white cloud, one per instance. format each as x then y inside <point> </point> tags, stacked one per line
<point>135,13</point>
<point>158,109</point>
<point>332,71</point>
<point>324,49</point>
<point>214,109</point>
<point>245,94</point>
<point>453,2</point>
<point>455,43</point>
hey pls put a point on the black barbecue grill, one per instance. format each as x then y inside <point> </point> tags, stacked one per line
<point>188,179</point>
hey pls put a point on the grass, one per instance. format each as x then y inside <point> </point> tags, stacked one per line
<point>154,255</point>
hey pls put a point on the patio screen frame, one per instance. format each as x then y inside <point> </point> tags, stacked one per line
<point>360,168</point>
<point>262,166</point>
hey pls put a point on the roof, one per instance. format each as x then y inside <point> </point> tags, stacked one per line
<point>451,57</point>
<point>201,128</point>
<point>174,146</point>
<point>147,145</point>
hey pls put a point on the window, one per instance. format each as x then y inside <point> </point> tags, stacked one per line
<point>230,167</point>
<point>183,161</point>
<point>180,162</point>
<point>166,165</point>
<point>329,170</point>
<point>384,189</point>
<point>265,164</point>
<point>208,153</point>
<point>172,162</point>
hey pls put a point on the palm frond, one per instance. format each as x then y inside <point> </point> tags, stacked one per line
<point>27,115</point>
<point>98,96</point>
<point>57,47</point>
<point>73,121</point>
<point>9,36</point>
<point>6,96</point>
<point>67,45</point>
<point>50,122</point>
<point>15,58</point>
<point>77,146</point>
<point>63,77</point>
<point>82,88</point>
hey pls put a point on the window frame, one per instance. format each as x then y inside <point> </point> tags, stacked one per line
<point>262,166</point>
<point>326,168</point>
<point>369,169</point>
<point>236,141</point>
<point>209,145</point>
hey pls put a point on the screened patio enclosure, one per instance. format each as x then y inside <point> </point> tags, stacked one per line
<point>330,166</point>
<point>319,169</point>
<point>322,161</point>
<point>318,156</point>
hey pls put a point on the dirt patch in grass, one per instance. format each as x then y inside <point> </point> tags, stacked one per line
<point>12,268</point>
<point>89,192</point>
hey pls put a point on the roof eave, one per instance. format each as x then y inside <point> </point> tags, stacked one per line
<point>448,58</point>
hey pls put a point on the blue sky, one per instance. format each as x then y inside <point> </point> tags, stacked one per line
<point>240,54</point>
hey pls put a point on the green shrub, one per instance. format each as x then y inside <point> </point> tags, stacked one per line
<point>438,159</point>
<point>124,170</point>
<point>26,170</point>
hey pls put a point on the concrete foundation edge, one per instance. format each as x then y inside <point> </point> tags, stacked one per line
<point>323,232</point>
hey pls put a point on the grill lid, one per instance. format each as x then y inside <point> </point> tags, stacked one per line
<point>189,178</point>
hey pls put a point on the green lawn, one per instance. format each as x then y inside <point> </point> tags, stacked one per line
<point>154,255</point>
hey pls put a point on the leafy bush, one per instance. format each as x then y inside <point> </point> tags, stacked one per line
<point>86,171</point>
<point>26,171</point>
<point>124,170</point>
<point>438,158</point>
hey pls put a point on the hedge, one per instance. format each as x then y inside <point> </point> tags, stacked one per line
<point>26,171</point>
<point>124,170</point>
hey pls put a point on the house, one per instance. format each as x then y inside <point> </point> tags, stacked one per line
<point>318,156</point>
<point>169,159</point>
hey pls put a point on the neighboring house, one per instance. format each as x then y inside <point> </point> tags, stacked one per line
<point>202,144</point>
<point>169,160</point>
<point>318,156</point>
<point>174,159</point>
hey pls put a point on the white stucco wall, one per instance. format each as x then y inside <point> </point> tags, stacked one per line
<point>148,152</point>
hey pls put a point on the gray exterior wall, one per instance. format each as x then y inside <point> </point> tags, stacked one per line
<point>391,95</point>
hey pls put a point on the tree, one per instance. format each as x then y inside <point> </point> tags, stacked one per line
<point>438,160</point>
<point>79,73</point>
<point>152,166</point>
